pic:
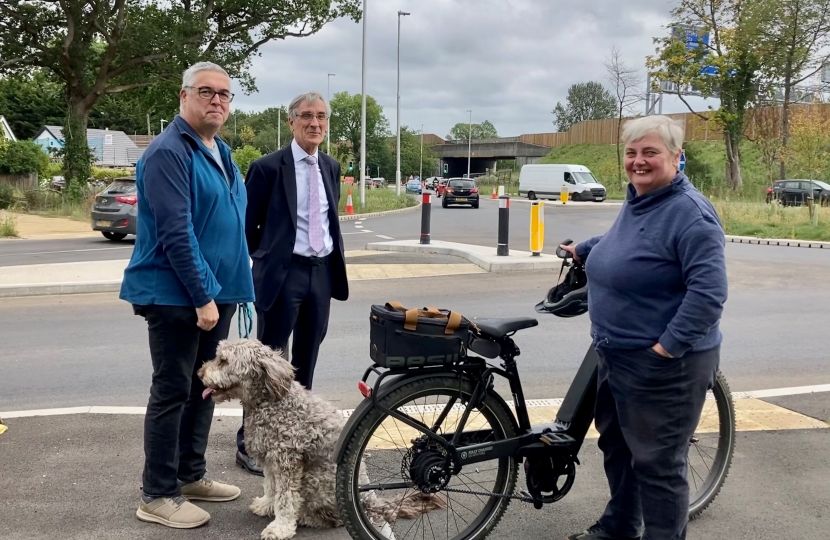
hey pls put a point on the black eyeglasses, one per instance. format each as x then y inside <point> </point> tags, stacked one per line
<point>206,92</point>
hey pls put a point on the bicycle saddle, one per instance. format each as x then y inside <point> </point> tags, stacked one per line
<point>498,328</point>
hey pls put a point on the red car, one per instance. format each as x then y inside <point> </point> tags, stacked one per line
<point>442,185</point>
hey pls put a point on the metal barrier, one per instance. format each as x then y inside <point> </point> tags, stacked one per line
<point>504,226</point>
<point>537,227</point>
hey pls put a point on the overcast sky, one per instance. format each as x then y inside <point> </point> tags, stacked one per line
<point>509,61</point>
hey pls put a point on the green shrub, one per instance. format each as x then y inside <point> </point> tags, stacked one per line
<point>6,196</point>
<point>243,157</point>
<point>110,174</point>
<point>22,157</point>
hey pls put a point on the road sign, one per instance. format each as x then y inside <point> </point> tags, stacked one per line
<point>682,160</point>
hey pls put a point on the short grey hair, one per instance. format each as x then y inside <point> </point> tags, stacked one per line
<point>307,98</point>
<point>190,73</point>
<point>670,131</point>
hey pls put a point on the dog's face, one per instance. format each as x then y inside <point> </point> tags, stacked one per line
<point>248,370</point>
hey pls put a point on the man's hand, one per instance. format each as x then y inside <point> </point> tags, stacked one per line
<point>208,316</point>
<point>661,351</point>
<point>572,250</point>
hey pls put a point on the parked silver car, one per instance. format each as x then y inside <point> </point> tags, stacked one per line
<point>115,210</point>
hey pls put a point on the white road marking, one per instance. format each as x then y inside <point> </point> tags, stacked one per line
<point>358,226</point>
<point>63,251</point>
<point>237,411</point>
<point>384,237</point>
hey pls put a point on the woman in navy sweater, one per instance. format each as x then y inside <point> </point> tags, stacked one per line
<point>656,288</point>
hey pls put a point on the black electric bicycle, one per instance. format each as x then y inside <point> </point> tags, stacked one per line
<point>444,430</point>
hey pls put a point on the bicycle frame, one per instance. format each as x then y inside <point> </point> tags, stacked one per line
<point>566,433</point>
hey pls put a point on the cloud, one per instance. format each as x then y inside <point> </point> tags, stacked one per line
<point>509,61</point>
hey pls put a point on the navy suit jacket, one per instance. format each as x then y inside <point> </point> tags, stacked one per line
<point>271,223</point>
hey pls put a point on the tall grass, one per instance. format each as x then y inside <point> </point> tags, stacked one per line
<point>8,226</point>
<point>377,200</point>
<point>773,220</point>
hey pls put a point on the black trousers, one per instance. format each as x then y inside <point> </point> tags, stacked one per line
<point>647,409</point>
<point>302,308</point>
<point>178,420</point>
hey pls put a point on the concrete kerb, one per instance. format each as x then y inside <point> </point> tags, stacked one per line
<point>50,289</point>
<point>483,256</point>
<point>380,214</point>
<point>777,242</point>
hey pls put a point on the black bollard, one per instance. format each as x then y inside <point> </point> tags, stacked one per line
<point>504,225</point>
<point>426,208</point>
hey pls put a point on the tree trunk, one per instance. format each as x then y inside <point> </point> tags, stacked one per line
<point>77,157</point>
<point>619,155</point>
<point>785,123</point>
<point>733,162</point>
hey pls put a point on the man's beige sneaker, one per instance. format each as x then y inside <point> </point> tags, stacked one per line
<point>176,513</point>
<point>208,490</point>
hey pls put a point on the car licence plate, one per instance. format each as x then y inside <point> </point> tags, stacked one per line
<point>461,199</point>
<point>103,223</point>
<point>598,199</point>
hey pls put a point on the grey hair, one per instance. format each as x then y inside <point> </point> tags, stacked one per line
<point>307,98</point>
<point>190,73</point>
<point>670,131</point>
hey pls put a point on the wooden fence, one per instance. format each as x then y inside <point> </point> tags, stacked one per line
<point>21,181</point>
<point>697,129</point>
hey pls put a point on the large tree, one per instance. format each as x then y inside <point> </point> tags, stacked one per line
<point>345,131</point>
<point>727,67</point>
<point>100,47</point>
<point>31,101</point>
<point>411,154</point>
<point>795,47</point>
<point>461,131</point>
<point>585,101</point>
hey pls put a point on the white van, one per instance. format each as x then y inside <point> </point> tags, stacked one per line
<point>546,181</point>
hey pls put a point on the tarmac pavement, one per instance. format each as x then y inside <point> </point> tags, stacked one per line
<point>77,477</point>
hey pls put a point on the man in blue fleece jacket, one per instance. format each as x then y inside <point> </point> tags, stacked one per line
<point>188,271</point>
<point>656,288</point>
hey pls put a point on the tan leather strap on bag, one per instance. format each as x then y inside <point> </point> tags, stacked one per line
<point>411,316</point>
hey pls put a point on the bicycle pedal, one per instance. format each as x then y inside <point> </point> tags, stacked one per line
<point>556,439</point>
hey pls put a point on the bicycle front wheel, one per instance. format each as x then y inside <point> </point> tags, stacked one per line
<point>387,464</point>
<point>711,447</point>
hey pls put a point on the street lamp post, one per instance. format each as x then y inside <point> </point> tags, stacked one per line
<point>328,95</point>
<point>161,122</point>
<point>398,130</point>
<point>279,127</point>
<point>469,142</point>
<point>363,115</point>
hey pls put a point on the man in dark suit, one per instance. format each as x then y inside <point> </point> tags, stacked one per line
<point>293,235</point>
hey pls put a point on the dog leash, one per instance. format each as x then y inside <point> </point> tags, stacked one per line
<point>244,318</point>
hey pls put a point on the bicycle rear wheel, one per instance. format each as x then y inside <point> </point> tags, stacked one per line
<point>711,447</point>
<point>386,461</point>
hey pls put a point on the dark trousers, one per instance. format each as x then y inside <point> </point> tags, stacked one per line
<point>647,409</point>
<point>302,307</point>
<point>178,420</point>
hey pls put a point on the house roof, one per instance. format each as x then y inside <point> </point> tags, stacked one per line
<point>6,130</point>
<point>111,148</point>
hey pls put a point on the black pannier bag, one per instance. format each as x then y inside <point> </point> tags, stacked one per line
<point>408,338</point>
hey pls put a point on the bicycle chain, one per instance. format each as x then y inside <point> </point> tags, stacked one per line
<point>523,498</point>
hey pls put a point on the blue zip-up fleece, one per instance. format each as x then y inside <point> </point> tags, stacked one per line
<point>190,244</point>
<point>659,273</point>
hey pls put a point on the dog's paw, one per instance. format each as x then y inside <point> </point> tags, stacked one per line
<point>262,506</point>
<point>279,530</point>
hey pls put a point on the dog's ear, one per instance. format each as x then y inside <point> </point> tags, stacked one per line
<point>279,373</point>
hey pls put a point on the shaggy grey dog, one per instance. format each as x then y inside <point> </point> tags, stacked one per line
<point>291,433</point>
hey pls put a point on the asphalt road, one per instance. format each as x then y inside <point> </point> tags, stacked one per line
<point>90,349</point>
<point>454,224</point>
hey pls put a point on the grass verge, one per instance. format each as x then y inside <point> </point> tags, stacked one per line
<point>8,226</point>
<point>773,221</point>
<point>377,200</point>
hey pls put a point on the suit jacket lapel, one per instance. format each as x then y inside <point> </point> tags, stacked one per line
<point>327,182</point>
<point>289,183</point>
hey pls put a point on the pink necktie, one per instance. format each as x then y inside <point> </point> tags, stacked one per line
<point>315,226</point>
